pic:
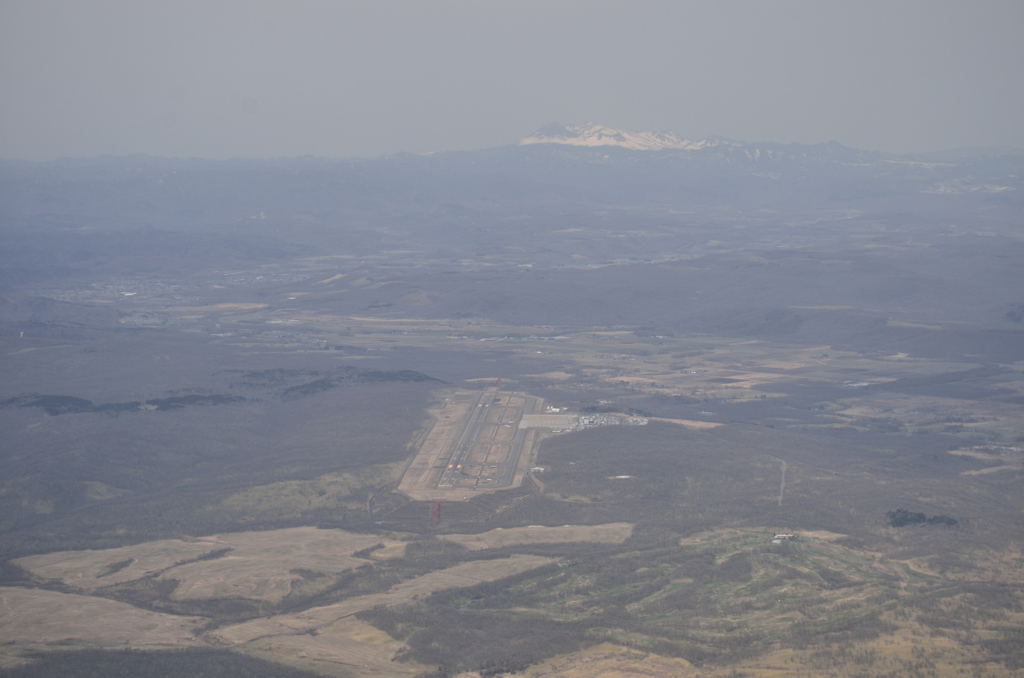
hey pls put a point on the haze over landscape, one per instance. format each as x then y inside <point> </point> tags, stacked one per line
<point>480,339</point>
<point>262,79</point>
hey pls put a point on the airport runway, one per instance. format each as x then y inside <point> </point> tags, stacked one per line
<point>486,474</point>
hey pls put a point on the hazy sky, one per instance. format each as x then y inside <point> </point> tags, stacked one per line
<point>254,79</point>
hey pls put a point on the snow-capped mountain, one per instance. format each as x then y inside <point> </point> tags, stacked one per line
<point>594,135</point>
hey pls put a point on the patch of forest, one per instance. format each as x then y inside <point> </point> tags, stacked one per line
<point>55,405</point>
<point>158,485</point>
<point>902,517</point>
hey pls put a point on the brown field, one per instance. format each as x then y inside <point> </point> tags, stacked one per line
<point>259,565</point>
<point>499,453</point>
<point>612,661</point>
<point>479,453</point>
<point>612,533</point>
<point>688,423</point>
<point>36,616</point>
<point>338,649</point>
<point>389,552</point>
<point>485,434</point>
<point>88,570</point>
<point>548,376</point>
<point>505,433</point>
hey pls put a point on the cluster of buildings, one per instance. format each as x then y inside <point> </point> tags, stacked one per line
<point>585,421</point>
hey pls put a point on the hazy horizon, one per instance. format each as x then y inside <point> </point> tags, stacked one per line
<point>1004,149</point>
<point>264,79</point>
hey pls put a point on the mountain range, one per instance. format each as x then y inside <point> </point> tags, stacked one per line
<point>583,164</point>
<point>593,135</point>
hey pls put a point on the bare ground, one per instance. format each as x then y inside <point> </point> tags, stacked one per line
<point>36,616</point>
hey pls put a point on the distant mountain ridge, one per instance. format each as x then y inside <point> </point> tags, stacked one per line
<point>593,135</point>
<point>589,164</point>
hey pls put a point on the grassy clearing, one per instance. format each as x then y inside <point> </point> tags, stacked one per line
<point>612,533</point>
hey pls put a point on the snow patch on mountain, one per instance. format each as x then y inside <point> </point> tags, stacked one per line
<point>593,135</point>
